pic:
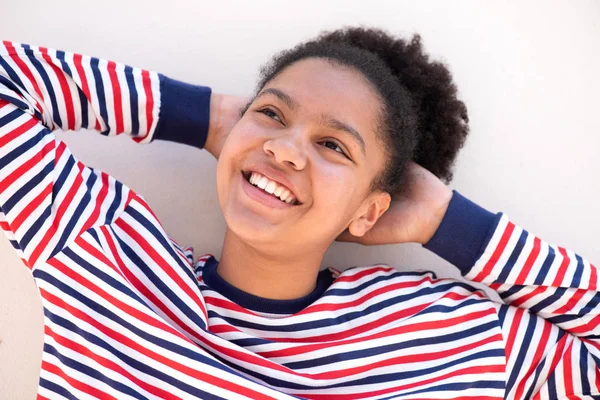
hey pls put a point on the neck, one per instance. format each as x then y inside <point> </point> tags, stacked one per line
<point>268,274</point>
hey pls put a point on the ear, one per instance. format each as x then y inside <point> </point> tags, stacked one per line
<point>372,208</point>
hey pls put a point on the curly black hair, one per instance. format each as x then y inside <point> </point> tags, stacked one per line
<point>421,118</point>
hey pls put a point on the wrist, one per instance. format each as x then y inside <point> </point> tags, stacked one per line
<point>436,215</point>
<point>214,123</point>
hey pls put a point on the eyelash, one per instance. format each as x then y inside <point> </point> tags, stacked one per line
<point>268,110</point>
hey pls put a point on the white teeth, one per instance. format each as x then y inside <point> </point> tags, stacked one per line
<point>272,187</point>
<point>262,183</point>
<point>284,195</point>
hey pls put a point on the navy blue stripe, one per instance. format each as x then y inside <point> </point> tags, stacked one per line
<point>15,101</point>
<point>583,363</point>
<point>82,204</point>
<point>343,319</point>
<point>28,187</point>
<point>510,292</point>
<point>336,292</point>
<point>522,350</point>
<point>105,278</point>
<point>9,84</point>
<point>100,92</point>
<point>373,351</point>
<point>541,276</point>
<point>561,319</point>
<point>514,256</point>
<point>455,387</point>
<point>160,285</point>
<point>548,299</point>
<point>65,171</point>
<point>164,243</point>
<point>133,101</point>
<point>503,309</point>
<point>44,75</point>
<point>125,325</point>
<point>536,376</point>
<point>25,146</point>
<point>116,203</point>
<point>551,383</point>
<point>53,387</point>
<point>592,305</point>
<point>91,372</point>
<point>373,378</point>
<point>126,359</point>
<point>12,74</point>
<point>578,272</point>
<point>60,55</point>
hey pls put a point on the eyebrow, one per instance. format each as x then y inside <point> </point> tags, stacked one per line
<point>325,119</point>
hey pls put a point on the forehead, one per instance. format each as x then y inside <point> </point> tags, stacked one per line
<point>321,87</point>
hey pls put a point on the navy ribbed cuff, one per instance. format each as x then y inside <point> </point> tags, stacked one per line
<point>463,233</point>
<point>184,112</point>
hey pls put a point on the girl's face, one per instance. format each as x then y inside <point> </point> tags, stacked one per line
<point>312,129</point>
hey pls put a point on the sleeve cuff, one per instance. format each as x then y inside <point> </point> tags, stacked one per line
<point>184,112</point>
<point>463,233</point>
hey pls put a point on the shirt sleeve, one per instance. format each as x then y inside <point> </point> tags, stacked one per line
<point>550,314</point>
<point>47,196</point>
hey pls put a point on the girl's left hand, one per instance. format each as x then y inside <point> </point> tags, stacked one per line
<point>415,212</point>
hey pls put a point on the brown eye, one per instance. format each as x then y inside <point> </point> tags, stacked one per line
<point>334,147</point>
<point>271,114</point>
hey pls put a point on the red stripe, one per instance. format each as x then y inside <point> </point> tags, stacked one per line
<point>83,387</point>
<point>144,290</point>
<point>400,330</point>
<point>150,251</point>
<point>365,272</point>
<point>26,71</point>
<point>31,207</point>
<point>535,251</point>
<point>562,270</point>
<point>541,346</point>
<point>593,278</point>
<point>512,334</point>
<point>62,207</point>
<point>568,368</point>
<point>106,363</point>
<point>64,87</point>
<point>99,200</point>
<point>18,131</point>
<point>487,269</point>
<point>159,358</point>
<point>389,318</point>
<point>573,300</point>
<point>118,105</point>
<point>480,369</point>
<point>517,302</point>
<point>85,87</point>
<point>149,100</point>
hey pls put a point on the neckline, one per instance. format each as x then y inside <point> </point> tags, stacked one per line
<point>262,304</point>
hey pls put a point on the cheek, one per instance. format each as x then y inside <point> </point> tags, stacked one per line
<point>335,188</point>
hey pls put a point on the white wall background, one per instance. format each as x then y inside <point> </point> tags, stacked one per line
<point>528,72</point>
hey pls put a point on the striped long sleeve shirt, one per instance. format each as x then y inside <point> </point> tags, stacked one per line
<point>130,314</point>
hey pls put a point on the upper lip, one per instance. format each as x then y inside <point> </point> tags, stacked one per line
<point>276,176</point>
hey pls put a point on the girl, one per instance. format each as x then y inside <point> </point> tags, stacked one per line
<point>350,136</point>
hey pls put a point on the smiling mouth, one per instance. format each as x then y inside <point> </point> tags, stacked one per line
<point>248,174</point>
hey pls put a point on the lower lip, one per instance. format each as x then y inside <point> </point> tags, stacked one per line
<point>262,197</point>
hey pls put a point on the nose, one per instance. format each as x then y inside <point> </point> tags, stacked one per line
<point>287,149</point>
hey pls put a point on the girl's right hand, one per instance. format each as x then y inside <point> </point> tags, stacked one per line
<point>225,112</point>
